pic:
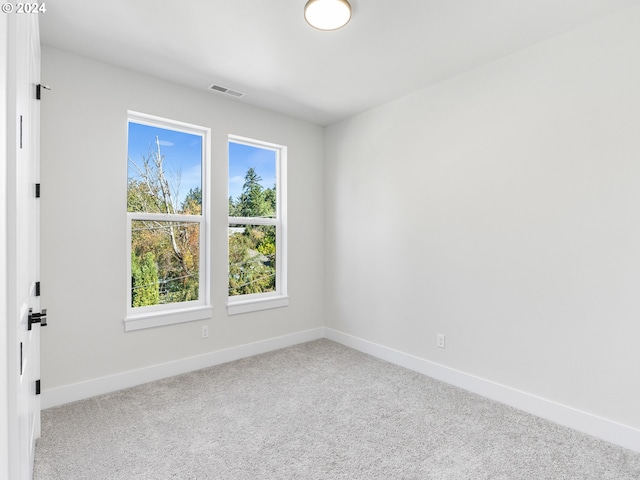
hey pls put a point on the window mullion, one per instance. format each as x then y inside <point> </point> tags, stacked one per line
<point>252,221</point>
<point>165,217</point>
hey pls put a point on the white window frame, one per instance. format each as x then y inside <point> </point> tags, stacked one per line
<point>261,301</point>
<point>138,318</point>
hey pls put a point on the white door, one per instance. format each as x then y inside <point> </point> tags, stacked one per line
<point>23,241</point>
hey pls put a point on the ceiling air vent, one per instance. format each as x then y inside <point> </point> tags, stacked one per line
<point>228,91</point>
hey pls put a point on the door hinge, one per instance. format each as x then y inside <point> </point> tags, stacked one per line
<point>37,289</point>
<point>39,88</point>
<point>34,317</point>
<point>37,387</point>
<point>37,190</point>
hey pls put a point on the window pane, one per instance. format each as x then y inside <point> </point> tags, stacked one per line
<point>252,181</point>
<point>164,262</point>
<point>252,259</point>
<point>164,170</point>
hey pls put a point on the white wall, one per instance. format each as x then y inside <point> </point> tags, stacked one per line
<point>500,208</point>
<point>84,127</point>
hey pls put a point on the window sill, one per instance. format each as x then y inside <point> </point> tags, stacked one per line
<point>236,307</point>
<point>160,319</point>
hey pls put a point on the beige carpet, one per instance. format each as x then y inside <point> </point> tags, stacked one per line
<point>313,411</point>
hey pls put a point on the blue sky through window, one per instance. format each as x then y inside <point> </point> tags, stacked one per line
<point>241,158</point>
<point>182,154</point>
<point>183,158</point>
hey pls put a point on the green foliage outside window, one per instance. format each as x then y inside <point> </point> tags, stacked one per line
<point>144,273</point>
<point>164,254</point>
<point>252,248</point>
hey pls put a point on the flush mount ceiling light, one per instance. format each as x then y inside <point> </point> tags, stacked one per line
<point>327,14</point>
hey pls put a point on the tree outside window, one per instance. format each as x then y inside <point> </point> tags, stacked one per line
<point>256,243</point>
<point>165,214</point>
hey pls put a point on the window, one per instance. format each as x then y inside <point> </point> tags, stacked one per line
<point>257,226</point>
<point>167,222</point>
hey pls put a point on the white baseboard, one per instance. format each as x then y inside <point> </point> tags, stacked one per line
<point>590,424</point>
<point>78,391</point>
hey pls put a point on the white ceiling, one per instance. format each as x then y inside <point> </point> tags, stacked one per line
<point>265,49</point>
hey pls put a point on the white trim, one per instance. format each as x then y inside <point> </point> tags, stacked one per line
<point>78,391</point>
<point>160,319</point>
<point>248,303</point>
<point>162,122</point>
<point>283,233</point>
<point>167,217</point>
<point>252,142</point>
<point>602,428</point>
<point>255,304</point>
<point>253,220</point>
<point>5,442</point>
<point>137,318</point>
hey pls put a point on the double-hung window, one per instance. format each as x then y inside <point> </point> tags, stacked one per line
<point>257,226</point>
<point>167,222</point>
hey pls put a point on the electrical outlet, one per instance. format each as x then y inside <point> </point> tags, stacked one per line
<point>205,331</point>
<point>441,340</point>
